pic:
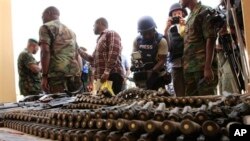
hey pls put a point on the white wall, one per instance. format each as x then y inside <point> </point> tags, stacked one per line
<point>80,15</point>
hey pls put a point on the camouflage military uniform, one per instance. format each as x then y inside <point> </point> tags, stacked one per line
<point>64,69</point>
<point>29,82</point>
<point>226,81</point>
<point>196,32</point>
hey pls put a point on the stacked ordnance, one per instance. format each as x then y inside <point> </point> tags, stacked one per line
<point>136,116</point>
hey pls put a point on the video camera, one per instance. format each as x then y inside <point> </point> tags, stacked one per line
<point>215,17</point>
<point>137,63</point>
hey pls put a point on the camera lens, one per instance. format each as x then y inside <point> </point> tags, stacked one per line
<point>175,20</point>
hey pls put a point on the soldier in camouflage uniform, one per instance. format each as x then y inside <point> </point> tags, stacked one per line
<point>29,70</point>
<point>200,63</point>
<point>61,65</point>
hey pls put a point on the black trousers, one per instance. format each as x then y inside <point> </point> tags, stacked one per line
<point>117,80</point>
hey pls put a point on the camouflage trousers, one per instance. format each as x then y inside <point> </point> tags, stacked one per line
<point>60,84</point>
<point>194,86</point>
<point>30,88</point>
<point>227,82</point>
<point>178,81</point>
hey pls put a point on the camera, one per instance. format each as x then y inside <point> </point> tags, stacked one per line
<point>215,17</point>
<point>175,20</point>
<point>137,63</point>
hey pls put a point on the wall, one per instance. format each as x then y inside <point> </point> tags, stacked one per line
<point>246,10</point>
<point>7,82</point>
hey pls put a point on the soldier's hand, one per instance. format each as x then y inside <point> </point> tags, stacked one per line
<point>208,74</point>
<point>45,85</point>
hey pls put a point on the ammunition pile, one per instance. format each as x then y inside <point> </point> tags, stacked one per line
<point>135,115</point>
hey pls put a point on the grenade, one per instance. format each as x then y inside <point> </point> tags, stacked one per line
<point>110,124</point>
<point>84,124</point>
<point>130,136</point>
<point>136,126</point>
<point>89,115</point>
<point>78,135</point>
<point>46,133</point>
<point>114,113</point>
<point>92,124</point>
<point>174,114</point>
<point>147,137</point>
<point>53,122</point>
<point>68,136</point>
<point>159,113</point>
<point>211,128</point>
<point>146,112</point>
<point>64,123</point>
<point>65,116</point>
<point>79,117</point>
<point>152,126</point>
<point>201,116</point>
<point>169,127</point>
<point>48,121</point>
<point>71,117</point>
<point>100,124</point>
<point>77,125</point>
<point>60,135</point>
<point>190,128</point>
<point>35,131</point>
<point>101,135</point>
<point>59,116</point>
<point>122,124</point>
<point>53,134</point>
<point>164,137</point>
<point>101,114</point>
<point>187,113</point>
<point>198,102</point>
<point>114,136</point>
<point>41,131</point>
<point>88,135</point>
<point>59,122</point>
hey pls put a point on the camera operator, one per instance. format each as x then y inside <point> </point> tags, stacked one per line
<point>200,64</point>
<point>150,52</point>
<point>174,33</point>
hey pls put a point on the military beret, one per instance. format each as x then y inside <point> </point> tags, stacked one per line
<point>31,40</point>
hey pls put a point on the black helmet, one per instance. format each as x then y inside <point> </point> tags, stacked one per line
<point>177,6</point>
<point>146,23</point>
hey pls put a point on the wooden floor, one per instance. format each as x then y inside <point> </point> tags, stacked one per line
<point>7,134</point>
